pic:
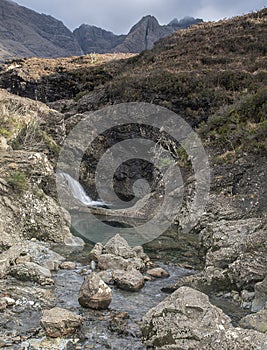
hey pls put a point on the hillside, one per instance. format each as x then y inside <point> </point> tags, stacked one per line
<point>199,72</point>
<point>213,75</point>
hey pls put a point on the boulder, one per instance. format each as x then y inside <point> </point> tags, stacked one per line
<point>118,246</point>
<point>106,276</point>
<point>260,295</point>
<point>236,257</point>
<point>112,262</point>
<point>29,251</point>
<point>96,252</point>
<point>139,250</point>
<point>225,240</point>
<point>187,320</point>
<point>257,321</point>
<point>30,271</point>
<point>158,272</point>
<point>59,322</point>
<point>95,293</point>
<point>131,280</point>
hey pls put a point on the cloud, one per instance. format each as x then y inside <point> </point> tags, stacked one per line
<point>119,15</point>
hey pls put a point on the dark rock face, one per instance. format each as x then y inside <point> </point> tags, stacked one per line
<point>142,36</point>
<point>94,39</point>
<point>26,33</point>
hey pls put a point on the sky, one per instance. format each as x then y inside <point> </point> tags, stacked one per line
<point>119,16</point>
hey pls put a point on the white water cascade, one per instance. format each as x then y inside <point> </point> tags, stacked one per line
<point>79,193</point>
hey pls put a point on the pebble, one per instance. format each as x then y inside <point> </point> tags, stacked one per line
<point>67,265</point>
<point>158,272</point>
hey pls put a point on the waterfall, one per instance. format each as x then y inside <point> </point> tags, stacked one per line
<point>79,193</point>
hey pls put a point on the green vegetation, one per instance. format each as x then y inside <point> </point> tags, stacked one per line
<point>17,181</point>
<point>80,95</point>
<point>93,58</point>
<point>242,126</point>
<point>32,138</point>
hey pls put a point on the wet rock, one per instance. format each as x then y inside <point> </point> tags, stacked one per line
<point>136,263</point>
<point>139,250</point>
<point>260,295</point>
<point>210,280</point>
<point>257,321</point>
<point>187,320</point>
<point>106,276</point>
<point>119,323</point>
<point>158,272</point>
<point>112,262</point>
<point>118,246</point>
<point>95,293</point>
<point>68,265</point>
<point>147,278</point>
<point>31,272</point>
<point>29,251</point>
<point>236,257</point>
<point>131,280</point>
<point>59,322</point>
<point>96,252</point>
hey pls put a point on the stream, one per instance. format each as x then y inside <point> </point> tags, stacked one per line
<point>116,328</point>
<point>102,329</point>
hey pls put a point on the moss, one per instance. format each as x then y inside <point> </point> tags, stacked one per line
<point>17,181</point>
<point>80,95</point>
<point>5,133</point>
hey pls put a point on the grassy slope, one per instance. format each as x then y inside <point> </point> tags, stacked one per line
<point>213,75</point>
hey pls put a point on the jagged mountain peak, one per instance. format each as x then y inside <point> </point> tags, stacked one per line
<point>147,21</point>
<point>141,36</point>
<point>26,33</point>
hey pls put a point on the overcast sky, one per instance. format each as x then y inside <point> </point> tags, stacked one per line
<point>119,15</point>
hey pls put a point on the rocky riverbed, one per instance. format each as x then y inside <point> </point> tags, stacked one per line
<point>41,309</point>
<point>23,302</point>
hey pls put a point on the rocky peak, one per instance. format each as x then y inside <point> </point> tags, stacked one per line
<point>141,36</point>
<point>147,22</point>
<point>95,39</point>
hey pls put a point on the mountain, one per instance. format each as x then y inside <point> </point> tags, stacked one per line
<point>94,39</point>
<point>184,22</point>
<point>26,33</point>
<point>142,36</point>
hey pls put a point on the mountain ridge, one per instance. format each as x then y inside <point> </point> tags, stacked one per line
<point>141,36</point>
<point>26,33</point>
